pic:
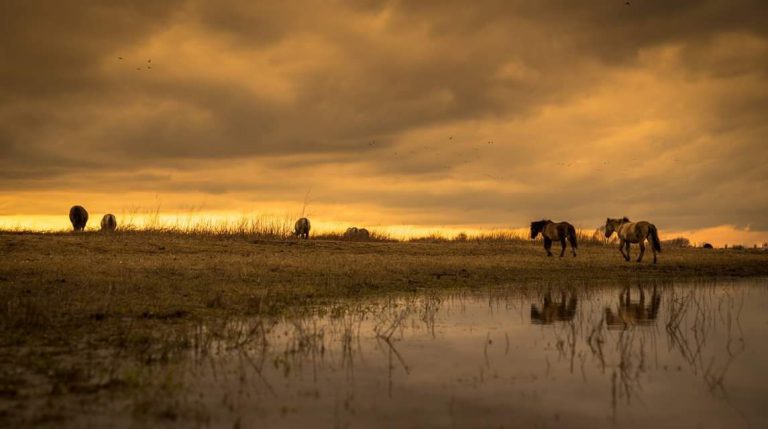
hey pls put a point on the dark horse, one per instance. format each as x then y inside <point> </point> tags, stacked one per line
<point>552,231</point>
<point>79,217</point>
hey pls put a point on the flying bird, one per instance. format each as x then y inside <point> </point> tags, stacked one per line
<point>120,58</point>
<point>627,4</point>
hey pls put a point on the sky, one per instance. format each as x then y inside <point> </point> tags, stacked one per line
<point>413,114</point>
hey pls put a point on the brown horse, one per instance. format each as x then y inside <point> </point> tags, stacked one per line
<point>552,231</point>
<point>633,232</point>
<point>108,223</point>
<point>78,215</point>
<point>631,313</point>
<point>354,233</point>
<point>301,228</point>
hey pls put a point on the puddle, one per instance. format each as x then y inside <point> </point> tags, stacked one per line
<point>691,355</point>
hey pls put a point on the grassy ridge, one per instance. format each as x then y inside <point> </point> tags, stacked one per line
<point>75,276</point>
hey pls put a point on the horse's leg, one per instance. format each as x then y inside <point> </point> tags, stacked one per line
<point>573,247</point>
<point>562,243</point>
<point>625,252</point>
<point>621,248</point>
<point>642,251</point>
<point>547,245</point>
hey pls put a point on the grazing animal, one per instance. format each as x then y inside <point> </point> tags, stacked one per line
<point>554,311</point>
<point>354,233</point>
<point>301,228</point>
<point>78,215</point>
<point>707,246</point>
<point>631,313</point>
<point>552,231</point>
<point>108,223</point>
<point>633,232</point>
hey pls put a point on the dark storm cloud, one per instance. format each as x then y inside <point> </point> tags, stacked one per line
<point>608,29</point>
<point>314,85</point>
<point>51,48</point>
<point>56,51</point>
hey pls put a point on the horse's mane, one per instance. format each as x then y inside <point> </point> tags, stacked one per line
<point>539,223</point>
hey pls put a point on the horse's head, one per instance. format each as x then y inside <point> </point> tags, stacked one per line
<point>610,226</point>
<point>536,228</point>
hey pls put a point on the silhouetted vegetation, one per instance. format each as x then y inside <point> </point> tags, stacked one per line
<point>676,242</point>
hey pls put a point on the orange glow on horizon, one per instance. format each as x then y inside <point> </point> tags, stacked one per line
<point>212,221</point>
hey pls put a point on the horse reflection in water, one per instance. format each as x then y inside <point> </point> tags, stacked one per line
<point>562,310</point>
<point>630,313</point>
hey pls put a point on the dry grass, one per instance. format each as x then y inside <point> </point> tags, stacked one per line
<point>251,226</point>
<point>132,273</point>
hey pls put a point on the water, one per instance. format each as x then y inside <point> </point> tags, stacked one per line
<point>691,355</point>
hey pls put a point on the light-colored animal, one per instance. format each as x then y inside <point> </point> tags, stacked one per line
<point>552,231</point>
<point>78,215</point>
<point>108,222</point>
<point>633,232</point>
<point>301,228</point>
<point>354,233</point>
<point>630,313</point>
<point>563,310</point>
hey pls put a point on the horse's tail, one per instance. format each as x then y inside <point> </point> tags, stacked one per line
<point>572,236</point>
<point>654,234</point>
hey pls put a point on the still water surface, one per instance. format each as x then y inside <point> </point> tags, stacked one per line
<point>677,355</point>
